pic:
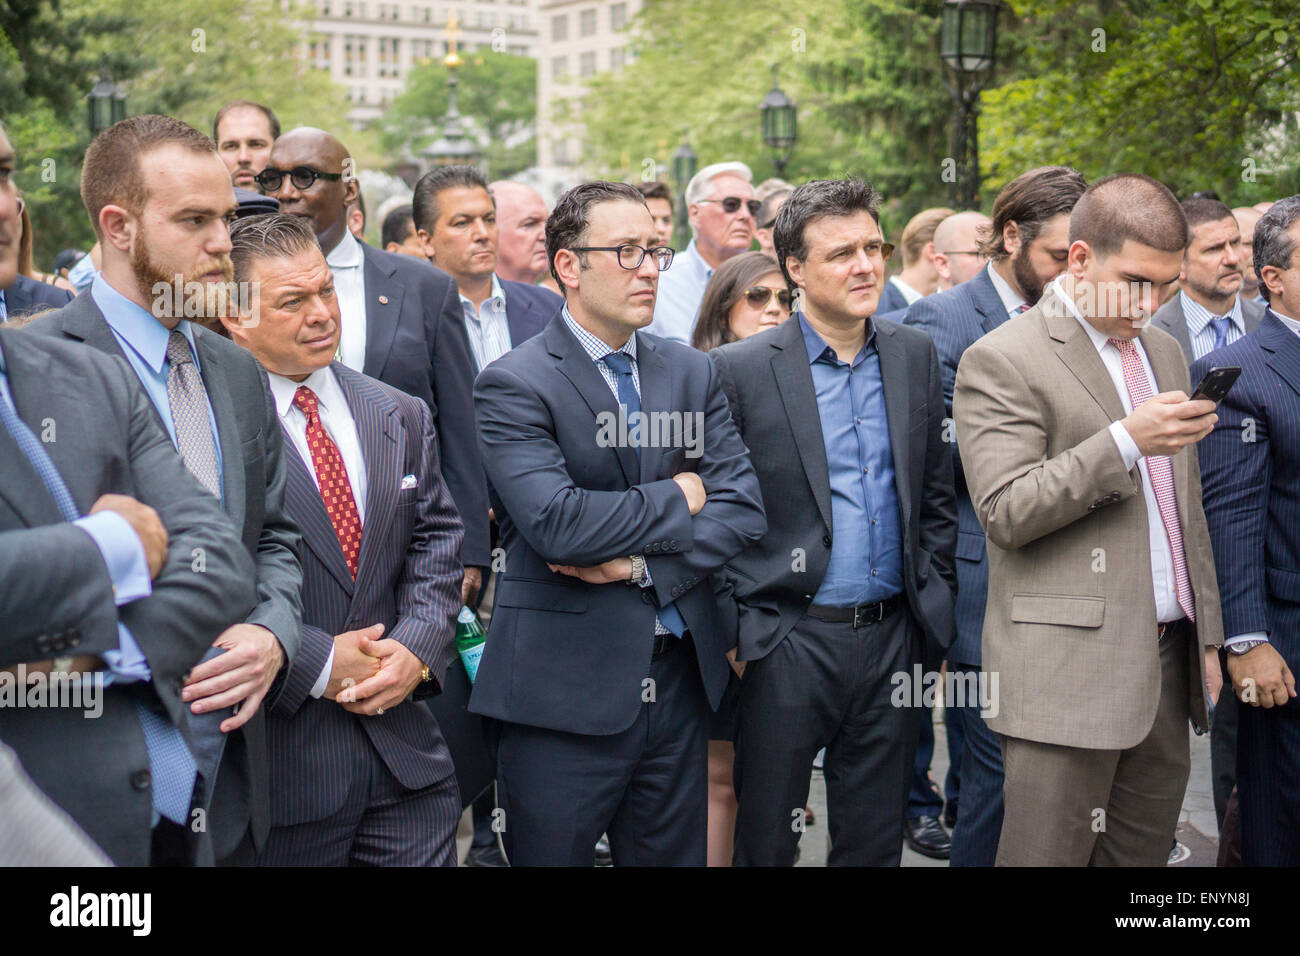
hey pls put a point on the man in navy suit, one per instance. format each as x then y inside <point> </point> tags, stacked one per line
<point>1027,244</point>
<point>456,224</point>
<point>1251,495</point>
<point>401,320</point>
<point>360,775</point>
<point>607,649</point>
<point>27,295</point>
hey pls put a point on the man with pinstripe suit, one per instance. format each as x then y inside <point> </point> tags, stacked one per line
<point>1249,468</point>
<point>359,774</point>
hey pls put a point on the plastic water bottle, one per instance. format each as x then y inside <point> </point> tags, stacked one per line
<point>470,639</point>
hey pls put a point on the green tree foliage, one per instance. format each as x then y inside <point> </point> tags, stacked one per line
<point>496,95</point>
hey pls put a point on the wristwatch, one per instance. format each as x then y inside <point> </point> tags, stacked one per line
<point>1241,647</point>
<point>638,569</point>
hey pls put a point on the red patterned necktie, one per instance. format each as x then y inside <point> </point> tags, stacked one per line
<point>332,475</point>
<point>1162,474</point>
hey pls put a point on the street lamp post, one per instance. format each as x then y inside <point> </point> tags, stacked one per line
<point>780,124</point>
<point>685,163</point>
<point>107,102</point>
<point>968,44</point>
<point>453,147</point>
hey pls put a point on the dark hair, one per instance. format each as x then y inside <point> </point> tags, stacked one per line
<point>1273,245</point>
<point>1199,210</point>
<point>273,235</point>
<point>398,224</point>
<point>765,207</point>
<point>1030,200</point>
<point>110,172</point>
<point>567,226</point>
<point>266,111</point>
<point>814,200</point>
<point>654,190</point>
<point>424,203</point>
<point>726,286</point>
<point>1128,206</point>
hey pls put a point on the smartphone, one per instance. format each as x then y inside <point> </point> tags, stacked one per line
<point>1216,383</point>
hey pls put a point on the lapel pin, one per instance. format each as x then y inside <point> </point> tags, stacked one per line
<point>383,300</point>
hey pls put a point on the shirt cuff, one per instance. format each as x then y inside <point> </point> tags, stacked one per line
<point>1242,638</point>
<point>646,581</point>
<point>318,688</point>
<point>1128,448</point>
<point>127,664</point>
<point>123,555</point>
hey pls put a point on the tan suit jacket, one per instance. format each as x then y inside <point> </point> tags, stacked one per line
<point>1070,623</point>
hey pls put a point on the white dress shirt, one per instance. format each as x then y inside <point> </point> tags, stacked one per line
<point>1162,558</point>
<point>488,327</point>
<point>910,295</point>
<point>348,264</point>
<point>336,418</point>
<point>1011,299</point>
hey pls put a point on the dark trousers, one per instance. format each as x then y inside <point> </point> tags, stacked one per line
<point>1223,747</point>
<point>381,823</point>
<point>923,800</point>
<point>979,822</point>
<point>1268,784</point>
<point>647,787</point>
<point>826,685</point>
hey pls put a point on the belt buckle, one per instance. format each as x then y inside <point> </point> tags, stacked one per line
<point>861,619</point>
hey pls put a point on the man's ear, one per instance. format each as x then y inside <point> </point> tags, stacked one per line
<point>426,244</point>
<point>795,268</point>
<point>117,227</point>
<point>568,266</point>
<point>1011,237</point>
<point>1079,258</point>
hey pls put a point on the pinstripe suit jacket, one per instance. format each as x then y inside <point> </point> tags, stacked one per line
<point>1252,487</point>
<point>408,579</point>
<point>955,318</point>
<point>1169,317</point>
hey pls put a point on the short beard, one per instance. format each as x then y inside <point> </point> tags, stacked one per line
<point>1025,275</point>
<point>216,299</point>
<point>1214,293</point>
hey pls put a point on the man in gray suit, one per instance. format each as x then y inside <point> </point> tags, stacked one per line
<point>853,582</point>
<point>1078,445</point>
<point>160,200</point>
<point>1208,312</point>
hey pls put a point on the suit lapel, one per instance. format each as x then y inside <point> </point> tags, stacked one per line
<point>576,365</point>
<point>656,395</point>
<point>20,485</point>
<point>223,410</point>
<point>374,414</point>
<point>1283,347</point>
<point>893,377</point>
<point>303,500</point>
<point>381,317</point>
<point>1175,323</point>
<point>795,384</point>
<point>517,309</point>
<point>1079,354</point>
<point>987,301</point>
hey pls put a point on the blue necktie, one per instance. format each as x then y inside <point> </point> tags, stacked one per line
<point>1220,326</point>
<point>620,363</point>
<point>171,765</point>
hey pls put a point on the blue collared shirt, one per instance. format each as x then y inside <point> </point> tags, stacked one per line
<point>681,289</point>
<point>4,309</point>
<point>866,562</point>
<point>1199,330</point>
<point>144,342</point>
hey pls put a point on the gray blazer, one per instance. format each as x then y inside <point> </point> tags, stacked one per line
<point>57,596</point>
<point>1169,318</point>
<point>253,481</point>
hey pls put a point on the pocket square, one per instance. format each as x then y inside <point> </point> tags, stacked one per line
<point>408,482</point>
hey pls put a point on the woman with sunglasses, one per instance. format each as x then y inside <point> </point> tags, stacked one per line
<point>746,294</point>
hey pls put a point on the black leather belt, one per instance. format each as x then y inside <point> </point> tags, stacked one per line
<point>860,616</point>
<point>1172,627</point>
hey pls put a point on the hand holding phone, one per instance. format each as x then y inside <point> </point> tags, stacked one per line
<point>1216,384</point>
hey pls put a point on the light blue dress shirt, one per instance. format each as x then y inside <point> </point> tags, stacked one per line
<point>1199,331</point>
<point>681,289</point>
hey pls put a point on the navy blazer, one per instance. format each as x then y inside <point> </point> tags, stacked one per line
<point>955,319</point>
<point>1250,475</point>
<point>891,299</point>
<point>570,656</point>
<point>415,341</point>
<point>408,579</point>
<point>528,309</point>
<point>28,295</point>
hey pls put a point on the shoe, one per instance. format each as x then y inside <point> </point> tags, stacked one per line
<point>927,837</point>
<point>603,856</point>
<point>809,818</point>
<point>950,815</point>
<point>489,855</point>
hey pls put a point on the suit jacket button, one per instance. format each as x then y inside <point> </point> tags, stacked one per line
<point>673,544</point>
<point>74,639</point>
<point>140,780</point>
<point>645,596</point>
<point>826,540</point>
<point>43,644</point>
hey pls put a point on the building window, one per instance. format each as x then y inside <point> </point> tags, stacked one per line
<point>560,27</point>
<point>587,22</point>
<point>618,16</point>
<point>616,59</point>
<point>559,66</point>
<point>587,64</point>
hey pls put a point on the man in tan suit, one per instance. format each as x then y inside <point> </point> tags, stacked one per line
<point>1103,608</point>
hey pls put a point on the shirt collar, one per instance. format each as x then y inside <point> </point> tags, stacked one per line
<point>1098,340</point>
<point>592,345</point>
<point>321,382</point>
<point>347,254</point>
<point>496,297</point>
<point>1198,316</point>
<point>817,347</point>
<point>1011,300</point>
<point>910,295</point>
<point>139,329</point>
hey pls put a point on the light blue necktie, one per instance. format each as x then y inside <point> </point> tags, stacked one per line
<point>171,765</point>
<point>620,363</point>
<point>1220,324</point>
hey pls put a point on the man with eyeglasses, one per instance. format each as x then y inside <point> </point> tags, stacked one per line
<point>621,486</point>
<point>843,415</point>
<point>722,213</point>
<point>401,320</point>
<point>957,254</point>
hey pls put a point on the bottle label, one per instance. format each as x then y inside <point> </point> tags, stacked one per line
<point>470,657</point>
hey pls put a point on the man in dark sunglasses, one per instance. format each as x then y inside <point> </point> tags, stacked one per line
<point>722,208</point>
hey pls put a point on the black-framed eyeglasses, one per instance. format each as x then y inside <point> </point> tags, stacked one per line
<point>760,295</point>
<point>732,204</point>
<point>963,252</point>
<point>302,177</point>
<point>630,255</point>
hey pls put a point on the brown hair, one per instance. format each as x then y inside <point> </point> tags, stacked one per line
<point>1030,200</point>
<point>654,189</point>
<point>727,285</point>
<point>110,173</point>
<point>1129,206</point>
<point>920,230</point>
<point>266,111</point>
<point>1199,211</point>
